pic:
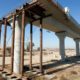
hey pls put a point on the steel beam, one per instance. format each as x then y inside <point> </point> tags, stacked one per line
<point>0,35</point>
<point>4,43</point>
<point>41,45</point>
<point>13,38</point>
<point>26,8</point>
<point>22,41</point>
<point>46,16</point>
<point>31,45</point>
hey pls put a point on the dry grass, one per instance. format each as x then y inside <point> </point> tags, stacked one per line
<point>62,71</point>
<point>63,78</point>
<point>74,72</point>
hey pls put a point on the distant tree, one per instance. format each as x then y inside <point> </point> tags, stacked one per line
<point>38,49</point>
<point>28,46</point>
<point>8,49</point>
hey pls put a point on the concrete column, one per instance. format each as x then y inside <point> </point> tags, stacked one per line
<point>77,46</point>
<point>61,36</point>
<point>17,46</point>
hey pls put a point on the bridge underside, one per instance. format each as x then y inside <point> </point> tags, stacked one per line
<point>44,14</point>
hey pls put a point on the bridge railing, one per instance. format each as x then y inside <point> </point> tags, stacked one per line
<point>58,4</point>
<point>74,21</point>
<point>68,15</point>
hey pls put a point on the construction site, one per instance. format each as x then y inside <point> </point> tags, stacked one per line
<point>21,62</point>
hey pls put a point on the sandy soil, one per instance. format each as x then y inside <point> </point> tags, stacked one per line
<point>54,69</point>
<point>47,56</point>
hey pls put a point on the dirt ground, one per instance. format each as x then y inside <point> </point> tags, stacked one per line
<point>54,68</point>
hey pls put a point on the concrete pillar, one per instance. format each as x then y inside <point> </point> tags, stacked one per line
<point>61,36</point>
<point>17,46</point>
<point>77,46</point>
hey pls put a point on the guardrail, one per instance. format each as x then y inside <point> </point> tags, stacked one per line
<point>58,4</point>
<point>74,21</point>
<point>68,15</point>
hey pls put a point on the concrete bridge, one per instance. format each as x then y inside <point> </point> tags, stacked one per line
<point>44,14</point>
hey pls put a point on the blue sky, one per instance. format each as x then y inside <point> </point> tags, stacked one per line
<point>50,40</point>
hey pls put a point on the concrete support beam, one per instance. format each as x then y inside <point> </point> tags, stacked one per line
<point>17,46</point>
<point>4,43</point>
<point>61,36</point>
<point>77,46</point>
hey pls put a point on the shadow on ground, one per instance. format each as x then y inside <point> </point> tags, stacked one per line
<point>55,65</point>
